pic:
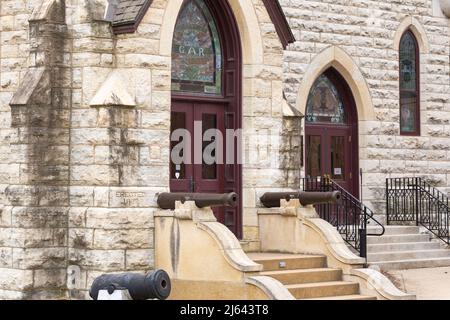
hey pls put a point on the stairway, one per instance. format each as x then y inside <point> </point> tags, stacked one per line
<point>404,247</point>
<point>308,277</point>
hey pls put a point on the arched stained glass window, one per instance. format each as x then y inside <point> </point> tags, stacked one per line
<point>409,85</point>
<point>325,103</point>
<point>196,51</point>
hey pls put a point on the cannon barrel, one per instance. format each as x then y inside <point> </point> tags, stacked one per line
<point>202,200</point>
<point>272,199</point>
<point>153,285</point>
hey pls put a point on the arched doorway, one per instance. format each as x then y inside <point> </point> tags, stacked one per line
<point>331,131</point>
<point>206,94</point>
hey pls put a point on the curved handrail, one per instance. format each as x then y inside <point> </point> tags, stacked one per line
<point>368,213</point>
<point>350,216</point>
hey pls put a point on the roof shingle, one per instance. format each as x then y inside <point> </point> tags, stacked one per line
<point>129,11</point>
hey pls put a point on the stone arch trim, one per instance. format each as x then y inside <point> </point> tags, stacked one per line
<point>445,6</point>
<point>247,21</point>
<point>411,23</point>
<point>344,64</point>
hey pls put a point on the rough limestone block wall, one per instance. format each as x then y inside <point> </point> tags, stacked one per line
<point>13,53</point>
<point>262,124</point>
<point>365,30</point>
<point>75,196</point>
<point>113,176</point>
<point>35,192</point>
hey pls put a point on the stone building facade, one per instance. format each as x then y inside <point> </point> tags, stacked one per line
<point>85,120</point>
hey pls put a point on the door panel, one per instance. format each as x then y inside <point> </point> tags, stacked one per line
<point>209,170</point>
<point>232,181</point>
<point>340,158</point>
<point>178,171</point>
<point>181,174</point>
<point>314,156</point>
<point>209,175</point>
<point>328,152</point>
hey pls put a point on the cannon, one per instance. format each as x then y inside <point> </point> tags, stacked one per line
<point>272,199</point>
<point>167,200</point>
<point>153,285</point>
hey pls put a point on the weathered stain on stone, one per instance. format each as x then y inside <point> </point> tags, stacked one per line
<point>38,107</point>
<point>175,245</point>
<point>79,242</point>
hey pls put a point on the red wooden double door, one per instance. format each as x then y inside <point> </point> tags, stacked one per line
<point>329,152</point>
<point>331,130</point>
<point>197,173</point>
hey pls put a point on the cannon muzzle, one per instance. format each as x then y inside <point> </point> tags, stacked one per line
<point>153,285</point>
<point>202,200</point>
<point>272,199</point>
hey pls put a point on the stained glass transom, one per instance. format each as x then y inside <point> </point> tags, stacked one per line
<point>324,103</point>
<point>196,51</point>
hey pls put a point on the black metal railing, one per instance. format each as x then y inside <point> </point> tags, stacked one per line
<point>414,200</point>
<point>350,216</point>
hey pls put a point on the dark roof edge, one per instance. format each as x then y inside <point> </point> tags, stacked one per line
<point>131,26</point>
<point>280,22</point>
<point>273,8</point>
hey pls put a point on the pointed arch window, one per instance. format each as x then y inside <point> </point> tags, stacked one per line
<point>196,51</point>
<point>409,85</point>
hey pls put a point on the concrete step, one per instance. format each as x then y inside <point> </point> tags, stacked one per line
<point>411,264</point>
<point>407,255</point>
<point>398,238</point>
<point>273,261</point>
<point>349,297</point>
<point>323,289</point>
<point>394,230</point>
<point>305,275</point>
<point>375,248</point>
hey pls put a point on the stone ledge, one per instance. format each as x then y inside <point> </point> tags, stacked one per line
<point>334,242</point>
<point>373,282</point>
<point>34,89</point>
<point>49,10</point>
<point>274,289</point>
<point>113,92</point>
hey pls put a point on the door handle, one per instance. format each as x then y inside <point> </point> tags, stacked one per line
<point>327,179</point>
<point>191,185</point>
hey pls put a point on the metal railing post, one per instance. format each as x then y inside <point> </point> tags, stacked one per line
<point>345,215</point>
<point>363,236</point>
<point>387,201</point>
<point>416,185</point>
